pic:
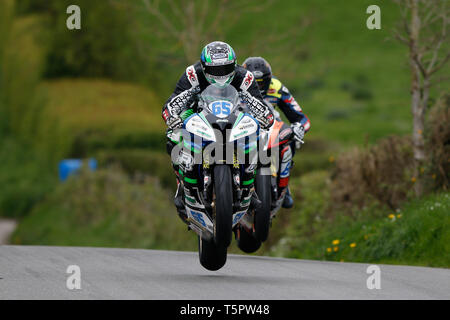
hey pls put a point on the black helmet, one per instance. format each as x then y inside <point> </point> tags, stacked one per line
<point>261,70</point>
<point>218,62</point>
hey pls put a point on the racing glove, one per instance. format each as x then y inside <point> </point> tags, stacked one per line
<point>299,134</point>
<point>258,109</point>
<point>172,110</point>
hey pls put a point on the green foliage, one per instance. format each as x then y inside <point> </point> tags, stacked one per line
<point>21,61</point>
<point>437,171</point>
<point>136,162</point>
<point>106,45</point>
<point>416,234</point>
<point>25,178</point>
<point>105,208</point>
<point>380,173</point>
<point>84,116</point>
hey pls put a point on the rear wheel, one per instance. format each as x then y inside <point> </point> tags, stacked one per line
<point>247,242</point>
<point>262,214</point>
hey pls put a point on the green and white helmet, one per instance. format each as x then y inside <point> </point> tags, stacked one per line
<point>218,62</point>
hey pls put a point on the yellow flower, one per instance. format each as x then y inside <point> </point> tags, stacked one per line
<point>335,249</point>
<point>366,237</point>
<point>335,242</point>
<point>331,159</point>
<point>328,250</point>
<point>352,245</point>
<point>413,179</point>
<point>399,216</point>
<point>391,216</point>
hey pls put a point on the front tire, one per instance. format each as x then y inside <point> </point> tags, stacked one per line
<point>212,257</point>
<point>213,253</point>
<point>223,205</point>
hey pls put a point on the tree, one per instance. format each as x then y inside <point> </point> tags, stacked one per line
<point>424,29</point>
<point>194,23</point>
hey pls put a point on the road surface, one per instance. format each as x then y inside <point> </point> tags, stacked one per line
<point>34,272</point>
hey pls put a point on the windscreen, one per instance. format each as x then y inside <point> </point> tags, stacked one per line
<point>220,101</point>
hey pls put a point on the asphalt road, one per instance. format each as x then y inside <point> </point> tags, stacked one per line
<point>33,272</point>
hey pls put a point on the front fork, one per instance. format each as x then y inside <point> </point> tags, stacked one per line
<point>242,184</point>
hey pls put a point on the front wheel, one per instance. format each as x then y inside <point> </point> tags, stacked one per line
<point>212,256</point>
<point>223,208</point>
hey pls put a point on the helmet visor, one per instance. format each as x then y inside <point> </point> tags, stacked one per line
<point>220,71</point>
<point>263,84</point>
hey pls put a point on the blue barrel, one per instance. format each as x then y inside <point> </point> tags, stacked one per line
<point>69,167</point>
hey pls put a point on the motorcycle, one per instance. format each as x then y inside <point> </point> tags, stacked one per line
<point>215,149</point>
<point>266,183</point>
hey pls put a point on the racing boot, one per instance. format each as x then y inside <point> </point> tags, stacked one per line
<point>288,202</point>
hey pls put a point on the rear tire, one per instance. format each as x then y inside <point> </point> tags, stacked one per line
<point>247,242</point>
<point>262,214</point>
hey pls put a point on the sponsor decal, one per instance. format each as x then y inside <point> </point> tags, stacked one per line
<point>192,76</point>
<point>220,55</point>
<point>198,216</point>
<point>251,168</point>
<point>286,171</point>
<point>286,132</point>
<point>186,161</point>
<point>247,81</point>
<point>238,216</point>
<point>246,126</point>
<point>165,115</point>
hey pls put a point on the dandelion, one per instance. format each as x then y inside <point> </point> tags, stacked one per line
<point>391,216</point>
<point>352,245</point>
<point>399,216</point>
<point>413,179</point>
<point>335,249</point>
<point>329,250</point>
<point>335,242</point>
<point>331,159</point>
